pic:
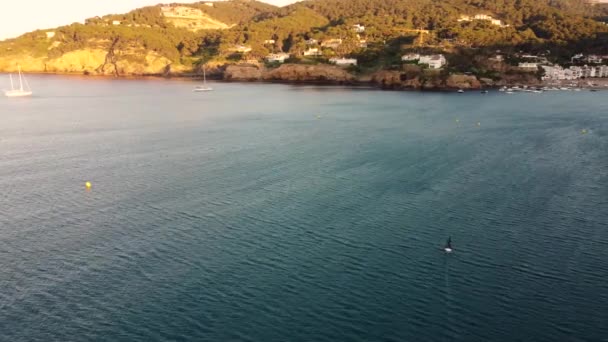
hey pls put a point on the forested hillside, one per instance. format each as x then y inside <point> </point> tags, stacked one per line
<point>248,30</point>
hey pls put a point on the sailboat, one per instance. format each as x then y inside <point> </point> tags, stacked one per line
<point>17,92</point>
<point>204,87</point>
<point>448,245</point>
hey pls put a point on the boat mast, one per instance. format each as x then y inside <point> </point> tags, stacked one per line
<point>11,77</point>
<point>20,81</point>
<point>204,75</point>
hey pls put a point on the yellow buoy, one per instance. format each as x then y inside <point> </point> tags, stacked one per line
<point>457,121</point>
<point>88,185</point>
<point>583,131</point>
<point>479,124</point>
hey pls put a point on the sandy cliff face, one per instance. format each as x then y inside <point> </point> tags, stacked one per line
<point>95,61</point>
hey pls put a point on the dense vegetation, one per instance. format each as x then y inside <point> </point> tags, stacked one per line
<point>564,27</point>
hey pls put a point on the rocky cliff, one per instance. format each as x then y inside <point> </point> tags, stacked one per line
<point>297,73</point>
<point>309,73</point>
<point>413,77</point>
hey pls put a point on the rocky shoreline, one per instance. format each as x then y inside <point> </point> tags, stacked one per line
<point>410,77</point>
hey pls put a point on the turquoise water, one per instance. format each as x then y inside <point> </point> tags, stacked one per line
<point>298,213</point>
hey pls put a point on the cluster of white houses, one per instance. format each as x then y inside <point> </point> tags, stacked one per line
<point>556,72</point>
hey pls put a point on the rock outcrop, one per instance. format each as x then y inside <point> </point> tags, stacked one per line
<point>243,73</point>
<point>309,73</point>
<point>459,81</point>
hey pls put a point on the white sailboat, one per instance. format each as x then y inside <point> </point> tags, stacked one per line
<point>17,92</point>
<point>204,87</point>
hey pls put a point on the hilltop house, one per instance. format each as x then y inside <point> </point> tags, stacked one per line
<point>115,22</point>
<point>50,34</point>
<point>277,57</point>
<point>343,61</point>
<point>312,52</point>
<point>486,17</point>
<point>433,61</point>
<point>359,28</point>
<point>269,41</point>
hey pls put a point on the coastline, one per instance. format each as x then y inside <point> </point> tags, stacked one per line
<point>356,83</point>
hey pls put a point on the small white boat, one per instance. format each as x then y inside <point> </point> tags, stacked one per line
<point>21,91</point>
<point>460,91</point>
<point>204,87</point>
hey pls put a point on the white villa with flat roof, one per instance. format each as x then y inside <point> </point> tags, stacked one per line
<point>433,61</point>
<point>313,52</point>
<point>343,61</point>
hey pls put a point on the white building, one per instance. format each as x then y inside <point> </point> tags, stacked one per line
<point>312,52</point>
<point>410,57</point>
<point>277,57</point>
<point>359,28</point>
<point>433,61</point>
<point>482,17</point>
<point>312,41</point>
<point>556,72</point>
<point>489,18</point>
<point>242,48</point>
<point>528,65</point>
<point>50,34</point>
<point>553,72</point>
<point>343,61</point>
<point>269,41</point>
<point>594,59</point>
<point>115,22</point>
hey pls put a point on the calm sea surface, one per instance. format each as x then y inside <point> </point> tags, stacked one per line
<point>298,213</point>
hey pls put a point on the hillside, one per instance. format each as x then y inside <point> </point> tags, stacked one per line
<point>177,38</point>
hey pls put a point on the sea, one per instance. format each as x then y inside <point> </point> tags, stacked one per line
<point>269,212</point>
